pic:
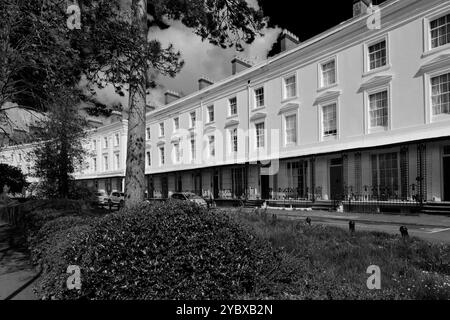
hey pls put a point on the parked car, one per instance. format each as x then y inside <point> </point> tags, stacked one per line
<point>116,198</point>
<point>191,197</point>
<point>102,197</point>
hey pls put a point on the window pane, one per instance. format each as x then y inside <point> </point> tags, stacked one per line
<point>377,55</point>
<point>290,87</point>
<point>378,109</point>
<point>329,120</point>
<point>440,94</point>
<point>259,97</point>
<point>291,129</point>
<point>260,139</point>
<point>328,73</point>
<point>440,31</point>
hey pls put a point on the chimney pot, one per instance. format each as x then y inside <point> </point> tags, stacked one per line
<point>239,64</point>
<point>360,7</point>
<point>171,96</point>
<point>288,40</point>
<point>204,82</point>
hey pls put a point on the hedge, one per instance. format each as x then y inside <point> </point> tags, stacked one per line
<point>161,251</point>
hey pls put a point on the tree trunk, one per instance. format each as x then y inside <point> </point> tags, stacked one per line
<point>135,169</point>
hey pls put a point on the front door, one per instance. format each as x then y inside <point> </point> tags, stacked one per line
<point>336,180</point>
<point>165,187</point>
<point>446,177</point>
<point>265,191</point>
<point>216,184</point>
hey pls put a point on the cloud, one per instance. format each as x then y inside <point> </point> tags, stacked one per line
<point>204,59</point>
<point>201,59</point>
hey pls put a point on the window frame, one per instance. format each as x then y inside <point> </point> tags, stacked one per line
<point>367,120</point>
<point>233,145</point>
<point>176,153</point>
<point>176,124</point>
<point>211,151</point>
<point>387,66</point>
<point>427,48</point>
<point>263,135</point>
<point>384,153</point>
<point>105,163</point>
<point>320,65</point>
<point>230,113</point>
<point>429,117</point>
<point>162,129</point>
<point>192,121</point>
<point>208,113</point>
<point>162,155</point>
<point>284,96</point>
<point>323,136</point>
<point>286,115</point>
<point>321,105</point>
<point>148,160</point>
<point>116,161</point>
<point>193,148</point>
<point>255,104</point>
<point>148,133</point>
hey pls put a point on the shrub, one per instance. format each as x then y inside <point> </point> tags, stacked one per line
<point>161,251</point>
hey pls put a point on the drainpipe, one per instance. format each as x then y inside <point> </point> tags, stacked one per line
<point>247,160</point>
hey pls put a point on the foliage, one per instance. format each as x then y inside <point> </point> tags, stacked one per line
<point>60,151</point>
<point>329,263</point>
<point>13,177</point>
<point>179,251</point>
<point>164,251</point>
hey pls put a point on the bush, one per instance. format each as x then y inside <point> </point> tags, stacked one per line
<point>325,262</point>
<point>161,251</point>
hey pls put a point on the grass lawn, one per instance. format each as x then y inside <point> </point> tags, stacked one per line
<point>322,262</point>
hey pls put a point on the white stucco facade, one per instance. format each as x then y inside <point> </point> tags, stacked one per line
<point>353,104</point>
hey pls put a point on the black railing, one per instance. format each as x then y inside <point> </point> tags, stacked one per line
<point>381,199</point>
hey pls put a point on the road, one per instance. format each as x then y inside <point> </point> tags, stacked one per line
<point>432,233</point>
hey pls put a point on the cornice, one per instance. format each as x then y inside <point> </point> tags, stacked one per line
<point>346,34</point>
<point>439,62</point>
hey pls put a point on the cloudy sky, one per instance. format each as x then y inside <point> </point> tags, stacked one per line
<point>204,59</point>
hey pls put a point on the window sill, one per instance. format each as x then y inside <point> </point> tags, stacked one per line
<point>210,123</point>
<point>321,89</point>
<point>377,129</point>
<point>290,145</point>
<point>329,138</point>
<point>440,117</point>
<point>285,100</point>
<point>258,108</point>
<point>377,70</point>
<point>433,51</point>
<point>233,116</point>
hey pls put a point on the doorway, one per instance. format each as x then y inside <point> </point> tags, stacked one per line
<point>265,187</point>
<point>446,177</point>
<point>216,184</point>
<point>165,187</point>
<point>336,179</point>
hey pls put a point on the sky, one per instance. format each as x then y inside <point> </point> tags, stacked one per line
<point>204,59</point>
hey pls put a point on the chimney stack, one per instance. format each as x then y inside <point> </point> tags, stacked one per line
<point>171,96</point>
<point>204,82</point>
<point>288,40</point>
<point>360,7</point>
<point>239,64</point>
<point>116,116</point>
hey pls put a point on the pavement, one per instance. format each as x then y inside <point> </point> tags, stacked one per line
<point>16,272</point>
<point>433,228</point>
